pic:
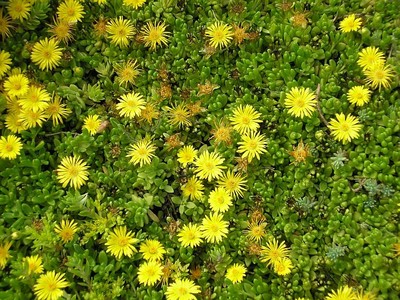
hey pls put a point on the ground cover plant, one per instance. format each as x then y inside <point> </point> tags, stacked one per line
<point>182,149</point>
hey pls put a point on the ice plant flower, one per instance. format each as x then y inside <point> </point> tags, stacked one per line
<point>219,200</point>
<point>256,230</point>
<point>358,95</point>
<point>182,289</point>
<point>187,155</point>
<point>350,23</point>
<point>179,115</point>
<point>92,124</point>
<point>301,102</point>
<point>193,189</point>
<point>283,266</point>
<point>219,34</point>
<point>345,128</point>
<point>214,228</point>
<point>131,105</point>
<point>73,171</point>
<point>120,31</point>
<point>150,272</point>
<point>5,25</point>
<point>134,3</point>
<point>61,31</point>
<point>154,35</point>
<point>30,118</point>
<point>10,146</point>
<point>370,57</point>
<point>49,286</point>
<point>70,11</point>
<point>56,111</point>
<point>209,165</point>
<point>13,123</point>
<point>5,62</point>
<point>190,235</point>
<point>252,146</point>
<point>127,72</point>
<point>16,85</point>
<point>35,99</point>
<point>34,264</point>
<point>152,250</point>
<point>245,119</point>
<point>344,292</point>
<point>236,273</point>
<point>233,184</point>
<point>142,152</point>
<point>19,9</point>
<point>46,54</point>
<point>273,251</point>
<point>379,76</point>
<point>4,254</point>
<point>120,242</point>
<point>66,230</point>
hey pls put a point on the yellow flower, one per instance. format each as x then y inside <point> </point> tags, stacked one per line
<point>4,254</point>
<point>100,2</point>
<point>127,72</point>
<point>16,85</point>
<point>30,118</point>
<point>49,286</point>
<point>92,124</point>
<point>14,123</point>
<point>233,184</point>
<point>36,99</point>
<point>245,119</point>
<point>152,250</point>
<point>131,105</point>
<point>66,230</point>
<point>345,128</point>
<point>46,54</point>
<point>186,155</point>
<point>5,62</point>
<point>34,264</point>
<point>142,152</point>
<point>150,272</point>
<point>61,31</point>
<point>73,171</point>
<point>343,293</point>
<point>70,11</point>
<point>220,200</point>
<point>19,9</point>
<point>179,115</point>
<point>358,95</point>
<point>236,273</point>
<point>273,251</point>
<point>134,3</point>
<point>350,23</point>
<point>301,102</point>
<point>222,133</point>
<point>361,295</point>
<point>190,235</point>
<point>214,228</point>
<point>370,57</point>
<point>219,34</point>
<point>10,146</point>
<point>149,112</point>
<point>5,25</point>
<point>208,165</point>
<point>379,76</point>
<point>252,146</point>
<point>56,111</point>
<point>256,230</point>
<point>120,31</point>
<point>182,289</point>
<point>120,242</point>
<point>283,266</point>
<point>193,188</point>
<point>154,34</point>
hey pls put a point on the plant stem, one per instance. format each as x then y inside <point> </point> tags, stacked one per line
<point>319,107</point>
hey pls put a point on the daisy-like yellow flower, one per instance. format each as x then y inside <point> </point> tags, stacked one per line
<point>30,118</point>
<point>219,200</point>
<point>358,95</point>
<point>150,272</point>
<point>149,113</point>
<point>34,264</point>
<point>5,25</point>
<point>283,266</point>
<point>66,230</point>
<point>222,133</point>
<point>301,102</point>
<point>209,165</point>
<point>4,254</point>
<point>5,62</point>
<point>252,146</point>
<point>19,9</point>
<point>142,152</point>
<point>190,235</point>
<point>344,292</point>
<point>154,35</point>
<point>236,273</point>
<point>56,111</point>
<point>35,99</point>
<point>273,251</point>
<point>152,250</point>
<point>49,286</point>
<point>70,11</point>
<point>233,184</point>
<point>73,171</point>
<point>345,128</point>
<point>182,289</point>
<point>14,123</point>
<point>46,54</point>
<point>120,242</point>
<point>219,34</point>
<point>256,230</point>
<point>179,115</point>
<point>127,72</point>
<point>120,31</point>
<point>61,31</point>
<point>10,146</point>
<point>379,76</point>
<point>193,189</point>
<point>245,119</point>
<point>16,85</point>
<point>187,155</point>
<point>350,23</point>
<point>214,228</point>
<point>370,57</point>
<point>92,124</point>
<point>131,105</point>
<point>362,295</point>
<point>134,3</point>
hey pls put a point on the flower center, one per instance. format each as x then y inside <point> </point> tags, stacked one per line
<point>300,103</point>
<point>70,12</point>
<point>47,54</point>
<point>252,145</point>
<point>379,75</point>
<point>122,242</point>
<point>345,127</point>
<point>52,286</point>
<point>245,120</point>
<point>17,86</point>
<point>9,148</point>
<point>73,171</point>
<point>182,291</point>
<point>214,228</point>
<point>152,250</point>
